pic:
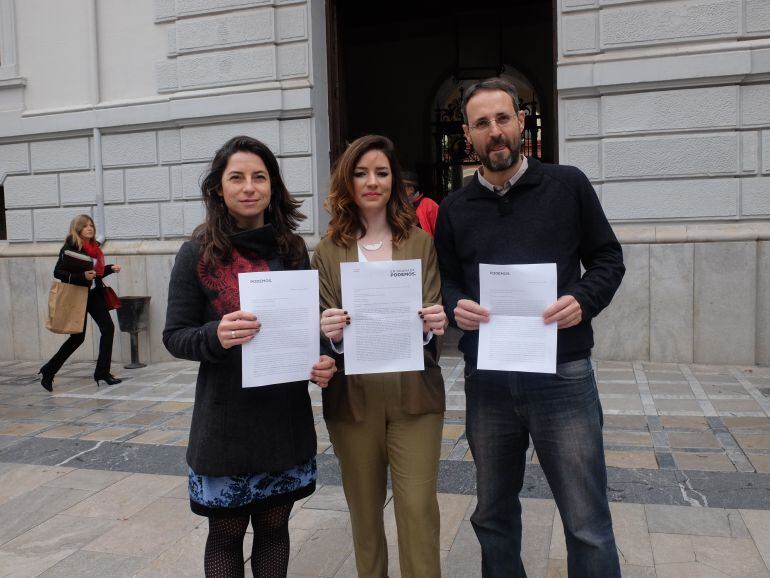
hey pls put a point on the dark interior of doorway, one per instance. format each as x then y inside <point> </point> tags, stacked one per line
<point>388,62</point>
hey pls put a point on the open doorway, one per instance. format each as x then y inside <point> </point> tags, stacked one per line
<point>400,71</point>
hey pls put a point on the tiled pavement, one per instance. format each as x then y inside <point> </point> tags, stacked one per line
<point>91,485</point>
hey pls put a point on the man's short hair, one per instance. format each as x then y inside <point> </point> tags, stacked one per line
<point>489,84</point>
<point>410,176</point>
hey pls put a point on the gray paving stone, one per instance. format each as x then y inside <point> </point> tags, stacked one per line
<point>323,553</point>
<point>685,520</point>
<point>35,507</point>
<point>464,559</point>
<point>62,532</point>
<point>96,565</point>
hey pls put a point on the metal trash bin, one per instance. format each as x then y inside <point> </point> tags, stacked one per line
<point>133,317</point>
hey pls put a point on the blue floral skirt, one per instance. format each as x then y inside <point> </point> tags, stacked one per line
<point>236,496</point>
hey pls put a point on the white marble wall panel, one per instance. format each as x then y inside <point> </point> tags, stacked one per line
<point>32,191</point>
<point>194,215</point>
<point>707,198</point>
<point>169,146</point>
<point>667,110</point>
<point>132,221</point>
<point>171,41</point>
<point>135,148</point>
<point>292,60</point>
<point>225,30</point>
<point>573,4</point>
<point>671,303</point>
<point>725,296</point>
<point>580,33</point>
<point>749,152</point>
<point>757,16</point>
<point>158,273</point>
<point>19,225</point>
<point>663,22</point>
<point>671,156</point>
<point>228,67</point>
<point>166,75</point>
<point>295,136</point>
<point>6,318</point>
<point>308,225</point>
<point>297,174</point>
<point>113,186</point>
<point>199,143</point>
<point>14,158</point>
<point>148,184</point>
<point>654,69</point>
<point>191,176</point>
<point>765,151</point>
<point>760,61</point>
<point>77,188</point>
<point>165,10</point>
<point>586,156</point>
<point>53,224</point>
<point>172,219</point>
<point>291,23</point>
<point>582,117</point>
<point>24,313</point>
<point>763,303</point>
<point>177,191</point>
<point>187,7</point>
<point>755,197</point>
<point>61,154</point>
<point>754,104</point>
<point>622,330</point>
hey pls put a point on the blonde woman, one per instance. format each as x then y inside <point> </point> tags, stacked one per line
<point>82,239</point>
<point>383,420</point>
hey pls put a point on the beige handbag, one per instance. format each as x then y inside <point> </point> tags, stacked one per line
<point>66,308</point>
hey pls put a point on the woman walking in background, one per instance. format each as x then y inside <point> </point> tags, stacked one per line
<point>252,450</point>
<point>383,419</point>
<point>82,239</point>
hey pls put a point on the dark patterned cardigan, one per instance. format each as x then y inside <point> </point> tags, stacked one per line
<point>234,430</point>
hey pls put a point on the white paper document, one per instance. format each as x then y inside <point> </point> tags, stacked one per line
<point>385,332</point>
<point>516,338</point>
<point>288,343</point>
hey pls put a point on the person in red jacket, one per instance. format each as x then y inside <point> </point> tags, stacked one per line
<point>427,209</point>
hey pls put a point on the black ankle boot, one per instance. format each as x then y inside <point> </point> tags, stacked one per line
<point>108,378</point>
<point>47,379</point>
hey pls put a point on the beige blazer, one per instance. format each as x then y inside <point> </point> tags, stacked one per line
<point>421,391</point>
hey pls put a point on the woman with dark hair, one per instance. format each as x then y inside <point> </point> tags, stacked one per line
<point>385,419</point>
<point>82,239</point>
<point>252,450</point>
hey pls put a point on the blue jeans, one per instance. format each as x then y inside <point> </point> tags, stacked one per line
<point>563,416</point>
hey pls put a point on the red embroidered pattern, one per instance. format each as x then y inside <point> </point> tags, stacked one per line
<point>222,279</point>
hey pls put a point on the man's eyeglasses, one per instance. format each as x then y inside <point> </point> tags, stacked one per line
<point>484,124</point>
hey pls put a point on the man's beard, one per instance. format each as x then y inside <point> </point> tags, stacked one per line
<point>514,152</point>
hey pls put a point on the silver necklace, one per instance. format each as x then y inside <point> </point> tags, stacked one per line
<point>373,246</point>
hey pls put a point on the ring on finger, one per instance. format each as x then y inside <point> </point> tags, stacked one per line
<point>232,334</point>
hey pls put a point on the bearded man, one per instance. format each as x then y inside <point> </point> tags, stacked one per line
<point>517,210</point>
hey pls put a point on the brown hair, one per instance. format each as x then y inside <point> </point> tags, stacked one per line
<point>346,223</point>
<point>489,84</point>
<point>282,212</point>
<point>76,226</point>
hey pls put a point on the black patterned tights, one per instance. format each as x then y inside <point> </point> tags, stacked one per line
<point>269,552</point>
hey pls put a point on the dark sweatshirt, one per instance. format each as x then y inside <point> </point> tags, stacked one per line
<point>550,215</point>
<point>234,430</point>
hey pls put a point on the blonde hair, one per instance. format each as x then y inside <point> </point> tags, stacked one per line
<point>76,226</point>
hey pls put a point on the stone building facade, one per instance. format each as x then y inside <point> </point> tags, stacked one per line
<point>113,108</point>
